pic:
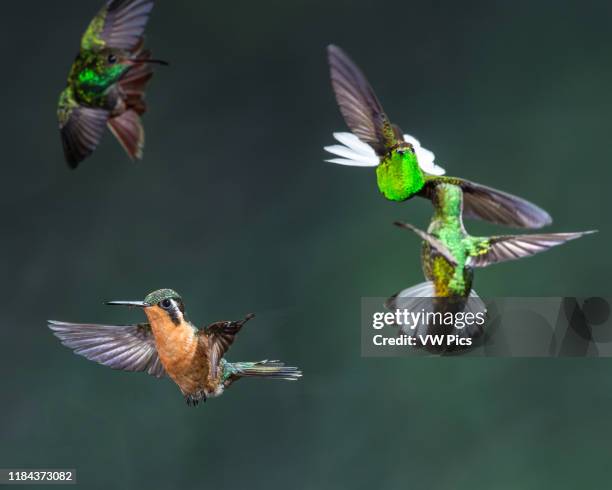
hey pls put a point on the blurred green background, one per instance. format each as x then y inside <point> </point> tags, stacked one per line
<point>234,207</point>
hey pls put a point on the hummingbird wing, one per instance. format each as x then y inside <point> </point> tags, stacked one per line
<point>433,241</point>
<point>81,130</point>
<point>510,247</point>
<point>125,347</point>
<point>221,336</point>
<point>492,205</point>
<point>120,24</point>
<point>359,105</point>
<point>134,83</point>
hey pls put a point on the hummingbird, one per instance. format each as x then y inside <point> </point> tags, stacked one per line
<point>170,345</point>
<point>403,168</point>
<point>107,81</point>
<point>449,256</point>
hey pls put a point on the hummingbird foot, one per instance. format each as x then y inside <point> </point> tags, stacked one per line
<point>193,399</point>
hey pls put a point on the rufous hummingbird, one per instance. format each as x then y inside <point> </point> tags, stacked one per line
<point>107,81</point>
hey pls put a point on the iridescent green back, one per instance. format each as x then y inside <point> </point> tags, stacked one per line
<point>66,105</point>
<point>92,39</point>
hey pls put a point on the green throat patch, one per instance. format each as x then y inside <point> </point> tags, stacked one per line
<point>399,176</point>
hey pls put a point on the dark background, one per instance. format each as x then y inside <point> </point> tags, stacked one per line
<point>234,207</point>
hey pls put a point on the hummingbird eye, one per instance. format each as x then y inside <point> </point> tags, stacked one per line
<point>112,59</point>
<point>165,304</point>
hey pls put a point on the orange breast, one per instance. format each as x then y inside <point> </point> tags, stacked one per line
<point>179,352</point>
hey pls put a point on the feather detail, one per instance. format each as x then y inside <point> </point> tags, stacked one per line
<point>354,152</point>
<point>81,130</point>
<point>358,104</point>
<point>354,143</point>
<point>424,156</point>
<point>134,83</point>
<point>125,22</point>
<point>124,347</point>
<point>349,154</point>
<point>511,247</point>
<point>351,163</point>
<point>128,130</point>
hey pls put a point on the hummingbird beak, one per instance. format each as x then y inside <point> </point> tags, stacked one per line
<point>148,60</point>
<point>139,304</point>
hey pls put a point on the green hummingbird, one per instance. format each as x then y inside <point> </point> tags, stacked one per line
<point>403,168</point>
<point>169,344</point>
<point>107,81</point>
<point>449,256</point>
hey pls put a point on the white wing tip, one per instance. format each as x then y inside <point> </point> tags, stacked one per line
<point>353,151</point>
<point>356,153</point>
<point>350,163</point>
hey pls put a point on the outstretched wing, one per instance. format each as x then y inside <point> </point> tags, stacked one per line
<point>359,105</point>
<point>120,24</point>
<point>488,204</point>
<point>221,336</point>
<point>81,129</point>
<point>125,347</point>
<point>501,248</point>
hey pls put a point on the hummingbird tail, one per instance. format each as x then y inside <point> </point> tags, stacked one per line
<point>427,312</point>
<point>266,369</point>
<point>128,130</point>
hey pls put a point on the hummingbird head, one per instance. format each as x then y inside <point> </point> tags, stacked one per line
<point>399,175</point>
<point>160,305</point>
<point>97,71</point>
<point>404,147</point>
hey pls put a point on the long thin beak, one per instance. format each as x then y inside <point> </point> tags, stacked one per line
<point>148,60</point>
<point>139,304</point>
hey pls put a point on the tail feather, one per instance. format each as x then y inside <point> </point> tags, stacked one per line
<point>128,130</point>
<point>422,299</point>
<point>267,369</point>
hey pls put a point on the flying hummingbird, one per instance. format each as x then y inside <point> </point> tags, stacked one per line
<point>403,168</point>
<point>449,256</point>
<point>169,344</point>
<point>107,81</point>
